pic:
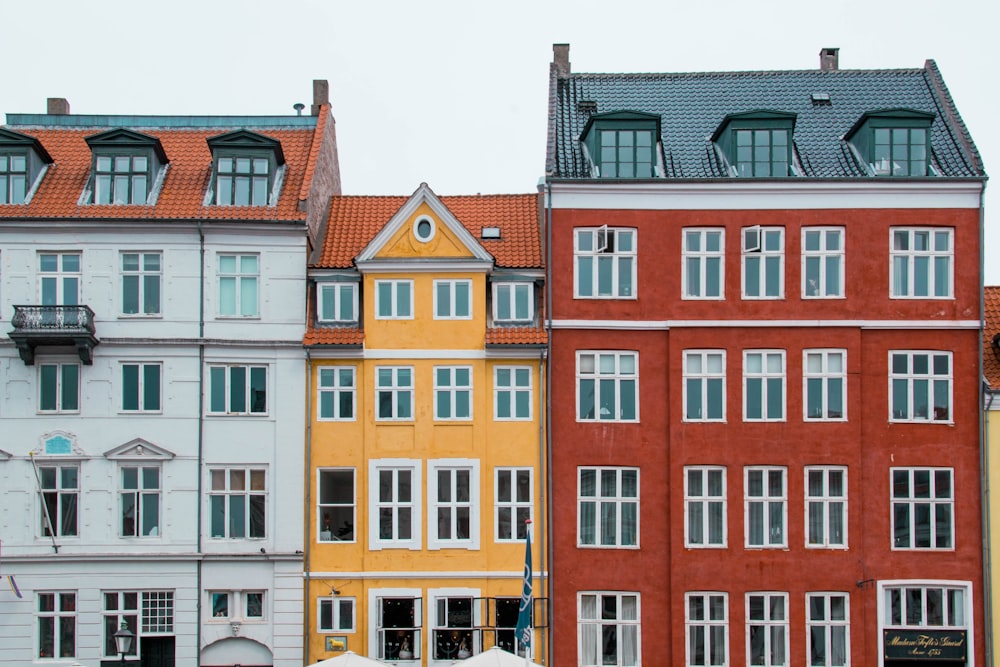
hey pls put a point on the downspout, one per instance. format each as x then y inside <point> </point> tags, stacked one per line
<point>201,431</point>
<point>548,411</point>
<point>542,464</point>
<point>987,564</point>
<point>307,571</point>
<point>984,450</point>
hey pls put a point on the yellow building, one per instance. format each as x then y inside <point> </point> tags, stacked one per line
<point>991,434</point>
<point>426,451</point>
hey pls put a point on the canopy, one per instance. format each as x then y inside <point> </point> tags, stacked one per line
<point>495,657</point>
<point>348,659</point>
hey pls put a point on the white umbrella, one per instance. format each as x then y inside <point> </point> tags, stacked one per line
<point>496,657</point>
<point>348,659</point>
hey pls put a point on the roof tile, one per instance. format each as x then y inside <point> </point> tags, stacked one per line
<point>516,336</point>
<point>333,336</point>
<point>991,358</point>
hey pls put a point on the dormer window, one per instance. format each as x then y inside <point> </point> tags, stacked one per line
<point>22,161</point>
<point>894,142</point>
<point>513,302</point>
<point>757,144</point>
<point>125,167</point>
<point>247,168</point>
<point>622,144</point>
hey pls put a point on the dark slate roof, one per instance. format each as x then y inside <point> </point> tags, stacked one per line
<point>692,106</point>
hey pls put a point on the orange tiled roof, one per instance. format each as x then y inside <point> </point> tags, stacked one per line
<point>355,220</point>
<point>516,336</point>
<point>991,364</point>
<point>183,191</point>
<point>333,336</point>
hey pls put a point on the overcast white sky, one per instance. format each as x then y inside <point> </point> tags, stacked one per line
<point>454,92</point>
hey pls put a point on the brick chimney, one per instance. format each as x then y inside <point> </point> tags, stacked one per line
<point>58,106</point>
<point>560,58</point>
<point>829,59</point>
<point>321,95</point>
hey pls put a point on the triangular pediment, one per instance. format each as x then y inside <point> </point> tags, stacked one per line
<point>139,449</point>
<point>423,230</point>
<point>245,140</point>
<point>11,139</point>
<point>58,443</point>
<point>4,456</point>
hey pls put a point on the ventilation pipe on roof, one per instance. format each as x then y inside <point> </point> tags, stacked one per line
<point>829,59</point>
<point>321,95</point>
<point>560,58</point>
<point>58,106</point>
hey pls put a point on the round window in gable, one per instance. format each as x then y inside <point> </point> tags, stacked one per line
<point>423,229</point>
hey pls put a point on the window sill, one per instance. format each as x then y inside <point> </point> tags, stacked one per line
<point>140,316</point>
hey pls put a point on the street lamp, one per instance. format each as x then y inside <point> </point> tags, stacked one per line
<point>123,641</point>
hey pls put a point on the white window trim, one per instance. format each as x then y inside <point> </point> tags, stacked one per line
<point>335,599</point>
<point>825,500</point>
<point>513,389</point>
<point>512,298</point>
<point>58,463</point>
<point>239,277</point>
<point>336,389</point>
<point>394,305</point>
<point>121,394</point>
<point>337,298</point>
<point>513,504</point>
<point>825,376</point>
<point>829,623</point>
<point>703,256</point>
<point>704,376</point>
<point>139,491</point>
<point>375,543</point>
<point>320,505</point>
<point>969,612</point>
<point>596,376</point>
<point>933,501</point>
<point>268,393</point>
<point>59,383</point>
<point>823,253</point>
<point>764,376</point>
<point>634,254</point>
<point>759,251</point>
<point>396,389</point>
<point>55,615</point>
<point>912,254</point>
<point>245,493</point>
<point>765,499</point>
<point>433,595</point>
<point>618,499</point>
<point>768,622</point>
<point>140,272</point>
<point>930,377</point>
<point>705,623</point>
<point>433,541</point>
<point>452,390</point>
<point>374,594</point>
<point>580,621</point>
<point>452,287</point>
<point>704,500</point>
<point>237,605</point>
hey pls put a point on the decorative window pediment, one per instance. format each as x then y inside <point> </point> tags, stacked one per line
<point>125,167</point>
<point>23,160</point>
<point>894,142</point>
<point>757,143</point>
<point>138,449</point>
<point>5,456</point>
<point>58,443</point>
<point>246,169</point>
<point>623,144</point>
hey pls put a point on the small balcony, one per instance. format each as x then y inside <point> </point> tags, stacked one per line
<point>54,326</point>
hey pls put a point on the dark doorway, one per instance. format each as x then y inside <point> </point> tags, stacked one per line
<point>157,652</point>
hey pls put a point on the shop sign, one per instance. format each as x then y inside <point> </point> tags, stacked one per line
<point>924,644</point>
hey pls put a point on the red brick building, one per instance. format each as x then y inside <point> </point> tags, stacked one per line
<point>765,313</point>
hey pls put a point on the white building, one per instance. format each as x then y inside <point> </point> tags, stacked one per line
<point>152,375</point>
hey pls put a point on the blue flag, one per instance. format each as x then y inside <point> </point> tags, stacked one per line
<point>523,631</point>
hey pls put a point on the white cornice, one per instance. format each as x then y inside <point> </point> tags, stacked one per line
<point>663,325</point>
<point>766,195</point>
<point>427,574</point>
<point>424,265</point>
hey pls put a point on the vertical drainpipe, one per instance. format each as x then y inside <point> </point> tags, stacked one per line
<point>307,581</point>
<point>201,432</point>
<point>984,450</point>
<point>548,411</point>
<point>542,430</point>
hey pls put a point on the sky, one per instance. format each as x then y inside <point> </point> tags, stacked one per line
<point>454,92</point>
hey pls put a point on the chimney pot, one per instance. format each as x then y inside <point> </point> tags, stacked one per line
<point>58,106</point>
<point>829,59</point>
<point>560,58</point>
<point>321,95</point>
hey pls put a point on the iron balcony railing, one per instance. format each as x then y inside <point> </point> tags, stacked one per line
<point>53,319</point>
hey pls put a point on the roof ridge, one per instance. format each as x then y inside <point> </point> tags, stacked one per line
<point>953,118</point>
<point>720,73</point>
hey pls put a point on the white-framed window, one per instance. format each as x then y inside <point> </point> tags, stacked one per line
<point>505,613</point>
<point>610,628</point>
<point>452,299</point>
<point>513,493</point>
<point>336,614</point>
<point>394,393</point>
<point>59,387</point>
<point>453,503</point>
<point>455,623</point>
<point>60,486</point>
<point>824,385</point>
<point>141,386</point>
<point>335,509</point>
<point>607,386</point>
<point>766,507</point>
<point>513,302</point>
<point>763,262</point>
<point>704,264</point>
<point>767,629</point>
<point>142,278</point>
<point>926,605</point>
<point>336,393</point>
<point>704,506</point>
<point>605,263</point>
<point>56,617</point>
<point>397,616</point>
<point>236,605</point>
<point>512,393</point>
<point>923,508</point>
<point>393,299</point>
<point>608,506</point>
<point>706,619</point>
<point>59,278</point>
<point>239,276</point>
<point>394,489</point>
<point>704,385</point>
<point>826,507</point>
<point>120,607</point>
<point>338,302</point>
<point>237,389</point>
<point>157,612</point>
<point>237,503</point>
<point>140,493</point>
<point>828,629</point>
<point>764,385</point>
<point>822,262</point>
<point>920,386</point>
<point>452,393</point>
<point>922,263</point>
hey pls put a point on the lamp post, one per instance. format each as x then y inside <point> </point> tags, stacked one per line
<point>123,641</point>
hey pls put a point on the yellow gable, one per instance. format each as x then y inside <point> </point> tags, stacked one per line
<point>441,244</point>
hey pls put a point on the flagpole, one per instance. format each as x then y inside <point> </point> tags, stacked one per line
<point>524,620</point>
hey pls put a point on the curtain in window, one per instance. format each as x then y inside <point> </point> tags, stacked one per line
<point>588,631</point>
